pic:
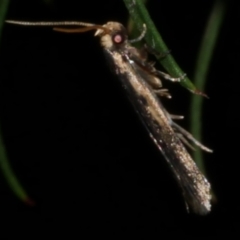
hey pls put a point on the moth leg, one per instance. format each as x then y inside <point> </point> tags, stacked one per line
<point>143,55</point>
<point>154,82</point>
<point>189,136</point>
<point>177,117</point>
<point>141,36</point>
<point>185,141</point>
<point>168,77</point>
<point>163,92</point>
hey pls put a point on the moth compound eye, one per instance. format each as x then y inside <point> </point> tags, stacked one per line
<point>118,38</point>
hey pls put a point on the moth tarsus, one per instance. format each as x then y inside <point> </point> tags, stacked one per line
<point>143,85</point>
<point>141,36</point>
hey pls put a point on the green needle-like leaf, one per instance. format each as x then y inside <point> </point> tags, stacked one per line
<point>140,16</point>
<point>4,163</point>
<point>206,51</point>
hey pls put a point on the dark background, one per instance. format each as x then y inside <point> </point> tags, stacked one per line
<point>78,147</point>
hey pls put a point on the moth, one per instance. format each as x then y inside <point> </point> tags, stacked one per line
<point>143,85</point>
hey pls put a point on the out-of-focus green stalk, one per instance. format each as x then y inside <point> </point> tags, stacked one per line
<point>205,54</point>
<point>4,163</point>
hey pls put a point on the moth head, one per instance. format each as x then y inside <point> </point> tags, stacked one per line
<point>115,36</point>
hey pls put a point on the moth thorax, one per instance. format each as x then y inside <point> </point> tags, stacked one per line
<point>115,37</point>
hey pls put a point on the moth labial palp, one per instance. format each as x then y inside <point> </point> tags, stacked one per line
<point>141,81</point>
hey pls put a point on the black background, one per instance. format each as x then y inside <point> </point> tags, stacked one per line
<point>78,147</point>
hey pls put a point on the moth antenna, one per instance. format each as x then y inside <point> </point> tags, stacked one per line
<point>89,26</point>
<point>51,24</point>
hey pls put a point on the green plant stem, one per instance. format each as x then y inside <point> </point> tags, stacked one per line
<point>140,16</point>
<point>202,66</point>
